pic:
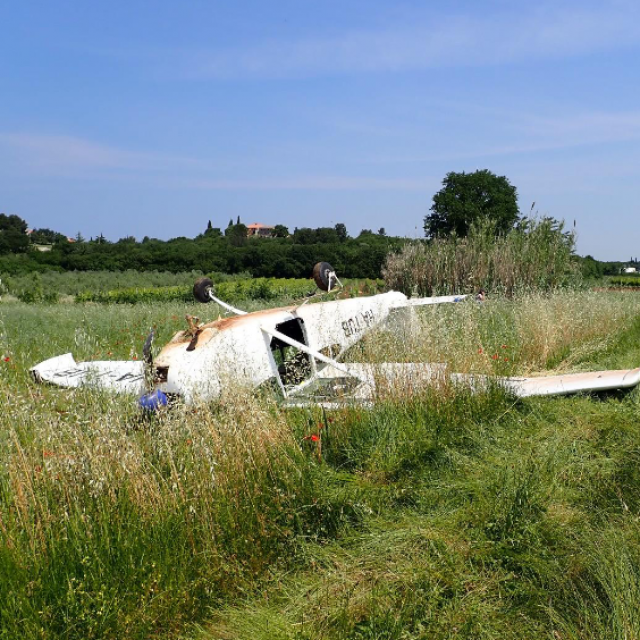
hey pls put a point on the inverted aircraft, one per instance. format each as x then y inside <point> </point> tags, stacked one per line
<point>296,350</point>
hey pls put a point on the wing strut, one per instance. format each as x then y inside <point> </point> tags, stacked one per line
<point>316,355</point>
<point>225,305</point>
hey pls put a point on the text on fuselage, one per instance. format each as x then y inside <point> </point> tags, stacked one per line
<point>358,323</point>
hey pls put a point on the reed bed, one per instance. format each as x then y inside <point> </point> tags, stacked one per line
<point>535,256</point>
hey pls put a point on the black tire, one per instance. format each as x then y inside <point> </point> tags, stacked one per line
<point>321,275</point>
<point>201,289</point>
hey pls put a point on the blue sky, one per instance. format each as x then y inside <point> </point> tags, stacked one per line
<point>151,118</point>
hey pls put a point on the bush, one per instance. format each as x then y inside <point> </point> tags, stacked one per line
<point>32,291</point>
<point>537,256</point>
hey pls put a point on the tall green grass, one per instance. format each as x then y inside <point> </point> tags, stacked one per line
<point>488,520</point>
<point>435,514</point>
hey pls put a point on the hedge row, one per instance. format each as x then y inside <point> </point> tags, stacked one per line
<point>625,281</point>
<point>231,291</point>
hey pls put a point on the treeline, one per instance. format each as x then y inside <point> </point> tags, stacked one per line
<point>291,256</point>
<point>592,268</point>
<point>232,252</point>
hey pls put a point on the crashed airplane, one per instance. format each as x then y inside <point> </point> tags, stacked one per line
<point>295,349</point>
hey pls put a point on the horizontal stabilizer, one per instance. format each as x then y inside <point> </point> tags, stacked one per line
<point>64,371</point>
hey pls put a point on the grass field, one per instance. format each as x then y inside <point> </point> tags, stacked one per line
<point>439,515</point>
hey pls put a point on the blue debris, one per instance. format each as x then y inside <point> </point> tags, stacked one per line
<point>153,401</point>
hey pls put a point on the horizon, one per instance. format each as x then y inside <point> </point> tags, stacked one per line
<point>140,120</point>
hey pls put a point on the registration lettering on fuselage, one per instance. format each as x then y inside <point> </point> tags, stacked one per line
<point>358,323</point>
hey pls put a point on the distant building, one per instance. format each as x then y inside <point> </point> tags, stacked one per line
<point>260,230</point>
<point>630,270</point>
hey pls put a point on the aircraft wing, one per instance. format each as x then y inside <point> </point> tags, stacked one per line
<point>369,381</point>
<point>64,371</point>
<point>421,302</point>
<point>572,383</point>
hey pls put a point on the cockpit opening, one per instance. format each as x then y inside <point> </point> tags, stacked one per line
<point>294,366</point>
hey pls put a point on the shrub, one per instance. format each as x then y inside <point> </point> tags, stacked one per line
<point>33,290</point>
<point>536,256</point>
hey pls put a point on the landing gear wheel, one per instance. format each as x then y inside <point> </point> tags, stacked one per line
<point>201,289</point>
<point>324,276</point>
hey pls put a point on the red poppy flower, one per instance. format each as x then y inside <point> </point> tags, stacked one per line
<point>480,351</point>
<point>495,356</point>
<point>6,358</point>
<point>314,438</point>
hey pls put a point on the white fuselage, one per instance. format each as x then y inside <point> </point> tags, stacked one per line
<point>239,350</point>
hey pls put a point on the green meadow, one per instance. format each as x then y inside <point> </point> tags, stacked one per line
<point>435,514</point>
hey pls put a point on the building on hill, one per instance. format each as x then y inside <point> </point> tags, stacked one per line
<point>260,230</point>
<point>630,270</point>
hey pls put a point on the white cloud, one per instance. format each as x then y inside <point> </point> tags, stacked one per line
<point>538,31</point>
<point>320,183</point>
<point>70,155</point>
<point>522,133</point>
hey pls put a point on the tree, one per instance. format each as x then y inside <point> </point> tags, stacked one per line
<point>237,235</point>
<point>13,222</point>
<point>466,198</point>
<point>46,236</point>
<point>280,231</point>
<point>341,231</point>
<point>13,238</point>
<point>326,235</point>
<point>13,241</point>
<point>304,235</point>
